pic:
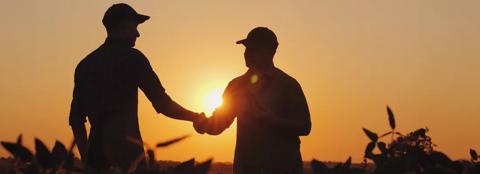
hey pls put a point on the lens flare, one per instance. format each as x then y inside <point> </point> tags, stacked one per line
<point>212,100</point>
<point>253,79</point>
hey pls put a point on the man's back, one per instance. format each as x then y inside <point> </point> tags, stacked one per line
<point>107,81</point>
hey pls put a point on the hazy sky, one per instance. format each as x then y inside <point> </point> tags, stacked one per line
<point>352,58</point>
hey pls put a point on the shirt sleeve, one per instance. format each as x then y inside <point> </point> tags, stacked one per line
<point>297,110</point>
<point>149,83</point>
<point>293,114</point>
<point>224,115</point>
<point>77,111</point>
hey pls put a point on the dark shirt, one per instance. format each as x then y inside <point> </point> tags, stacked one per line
<point>271,112</point>
<point>106,91</point>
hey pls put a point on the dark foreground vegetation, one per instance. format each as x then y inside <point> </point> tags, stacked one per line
<point>411,153</point>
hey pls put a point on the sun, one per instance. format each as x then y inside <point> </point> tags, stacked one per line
<point>212,100</point>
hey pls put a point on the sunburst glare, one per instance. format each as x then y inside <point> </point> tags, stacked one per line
<point>212,100</point>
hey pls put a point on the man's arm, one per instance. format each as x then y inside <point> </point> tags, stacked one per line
<point>176,111</point>
<point>294,118</point>
<point>80,135</point>
<point>298,112</point>
<point>220,120</point>
<point>153,89</point>
<point>77,118</point>
<point>223,116</point>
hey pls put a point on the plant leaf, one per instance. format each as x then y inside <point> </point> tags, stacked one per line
<point>369,148</point>
<point>348,163</point>
<point>186,167</point>
<point>373,136</point>
<point>18,151</point>
<point>391,118</point>
<point>420,132</point>
<point>59,153</point>
<point>473,154</point>
<point>383,147</point>
<point>170,142</point>
<point>203,167</point>
<point>68,164</point>
<point>43,155</point>
<point>318,167</point>
<point>151,159</point>
<point>19,139</point>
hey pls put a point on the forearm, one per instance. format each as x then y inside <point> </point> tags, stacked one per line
<point>214,127</point>
<point>220,120</point>
<point>297,127</point>
<point>80,135</point>
<point>175,111</point>
<point>294,126</point>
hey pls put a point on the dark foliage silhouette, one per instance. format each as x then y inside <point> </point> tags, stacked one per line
<point>61,160</point>
<point>410,153</point>
<point>342,168</point>
<point>58,160</point>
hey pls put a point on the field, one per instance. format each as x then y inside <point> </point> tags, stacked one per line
<point>413,152</point>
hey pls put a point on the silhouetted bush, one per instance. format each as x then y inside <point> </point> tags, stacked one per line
<point>61,160</point>
<point>410,153</point>
<point>319,167</point>
<point>58,160</point>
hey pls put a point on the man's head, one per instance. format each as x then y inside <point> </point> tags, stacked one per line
<point>121,22</point>
<point>260,47</point>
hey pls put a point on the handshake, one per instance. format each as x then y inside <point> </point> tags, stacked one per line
<point>201,123</point>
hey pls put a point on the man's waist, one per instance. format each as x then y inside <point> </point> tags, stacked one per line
<point>107,107</point>
<point>268,142</point>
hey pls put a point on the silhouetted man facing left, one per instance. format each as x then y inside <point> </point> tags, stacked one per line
<point>270,108</point>
<point>106,90</point>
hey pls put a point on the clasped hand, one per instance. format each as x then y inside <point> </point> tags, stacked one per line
<point>200,124</point>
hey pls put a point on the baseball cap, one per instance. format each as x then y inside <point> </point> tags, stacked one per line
<point>260,37</point>
<point>120,12</point>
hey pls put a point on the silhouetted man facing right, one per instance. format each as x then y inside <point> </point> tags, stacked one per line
<point>106,90</point>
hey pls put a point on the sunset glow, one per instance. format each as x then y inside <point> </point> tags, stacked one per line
<point>211,100</point>
<point>350,57</point>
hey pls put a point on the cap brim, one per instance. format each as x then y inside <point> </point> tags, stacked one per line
<point>243,41</point>
<point>142,18</point>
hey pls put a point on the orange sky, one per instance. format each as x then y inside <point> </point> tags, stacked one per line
<point>351,57</point>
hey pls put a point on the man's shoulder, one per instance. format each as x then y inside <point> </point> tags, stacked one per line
<point>86,60</point>
<point>135,56</point>
<point>286,81</point>
<point>135,52</point>
<point>127,52</point>
<point>132,55</point>
<point>103,52</point>
<point>284,77</point>
<point>237,82</point>
<point>239,79</point>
